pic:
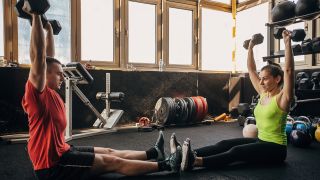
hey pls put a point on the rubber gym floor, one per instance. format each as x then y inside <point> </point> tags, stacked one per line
<point>300,163</point>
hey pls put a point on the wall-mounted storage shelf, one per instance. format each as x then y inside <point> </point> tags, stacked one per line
<point>287,22</point>
<point>281,54</point>
<point>295,19</point>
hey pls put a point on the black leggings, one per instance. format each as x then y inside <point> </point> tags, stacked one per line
<point>249,150</point>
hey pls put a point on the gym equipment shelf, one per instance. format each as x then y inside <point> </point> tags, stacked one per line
<point>295,19</point>
<point>280,53</point>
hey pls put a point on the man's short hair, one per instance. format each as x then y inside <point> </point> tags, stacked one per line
<point>51,60</point>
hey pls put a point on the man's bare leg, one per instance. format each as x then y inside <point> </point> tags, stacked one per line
<point>104,163</point>
<point>125,154</point>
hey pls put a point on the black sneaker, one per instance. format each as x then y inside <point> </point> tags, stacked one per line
<point>188,156</point>
<point>174,160</point>
<point>159,146</point>
<point>174,143</point>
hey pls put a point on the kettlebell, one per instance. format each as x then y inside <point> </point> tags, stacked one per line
<point>317,133</point>
<point>306,120</point>
<point>289,125</point>
<point>250,129</point>
<point>300,135</point>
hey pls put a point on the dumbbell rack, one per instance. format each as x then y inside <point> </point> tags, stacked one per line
<point>280,54</point>
<point>293,20</point>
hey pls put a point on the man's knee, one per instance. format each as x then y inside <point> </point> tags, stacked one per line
<point>107,163</point>
<point>111,160</point>
<point>108,150</point>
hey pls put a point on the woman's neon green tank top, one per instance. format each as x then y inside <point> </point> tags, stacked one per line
<point>271,122</point>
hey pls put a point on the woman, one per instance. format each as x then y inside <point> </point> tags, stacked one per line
<point>276,90</point>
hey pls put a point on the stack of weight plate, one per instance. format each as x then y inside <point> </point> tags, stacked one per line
<point>180,111</point>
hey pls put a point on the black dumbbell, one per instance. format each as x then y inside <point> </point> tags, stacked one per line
<point>306,45</point>
<point>304,84</point>
<point>316,44</point>
<point>33,6</point>
<point>38,7</point>
<point>296,35</point>
<point>56,26</point>
<point>296,48</point>
<point>299,76</point>
<point>256,39</point>
<point>315,79</point>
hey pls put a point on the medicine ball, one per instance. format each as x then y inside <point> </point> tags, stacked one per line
<point>304,7</point>
<point>282,11</point>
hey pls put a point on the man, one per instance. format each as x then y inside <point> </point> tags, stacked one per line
<point>51,156</point>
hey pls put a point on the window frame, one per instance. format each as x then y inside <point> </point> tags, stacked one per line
<point>158,35</point>
<point>76,34</point>
<point>10,32</point>
<point>195,35</point>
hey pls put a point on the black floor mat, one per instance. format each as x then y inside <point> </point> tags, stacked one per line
<point>300,163</point>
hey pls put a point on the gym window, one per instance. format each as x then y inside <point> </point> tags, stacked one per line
<point>180,36</point>
<point>59,10</point>
<point>245,29</point>
<point>216,40</point>
<point>99,31</point>
<point>1,31</point>
<point>142,33</point>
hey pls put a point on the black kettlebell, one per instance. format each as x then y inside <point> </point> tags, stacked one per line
<point>300,137</point>
<point>304,7</point>
<point>282,11</point>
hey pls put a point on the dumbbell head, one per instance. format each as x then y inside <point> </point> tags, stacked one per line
<point>277,32</point>
<point>36,6</point>
<point>306,46</point>
<point>316,75</point>
<point>20,12</point>
<point>305,83</point>
<point>298,35</point>
<point>316,42</point>
<point>315,78</point>
<point>56,27</point>
<point>256,39</point>
<point>296,48</point>
<point>301,75</point>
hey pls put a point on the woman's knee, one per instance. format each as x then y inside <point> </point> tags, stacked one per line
<point>223,142</point>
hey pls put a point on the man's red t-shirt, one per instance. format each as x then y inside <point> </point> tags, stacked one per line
<point>47,123</point>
